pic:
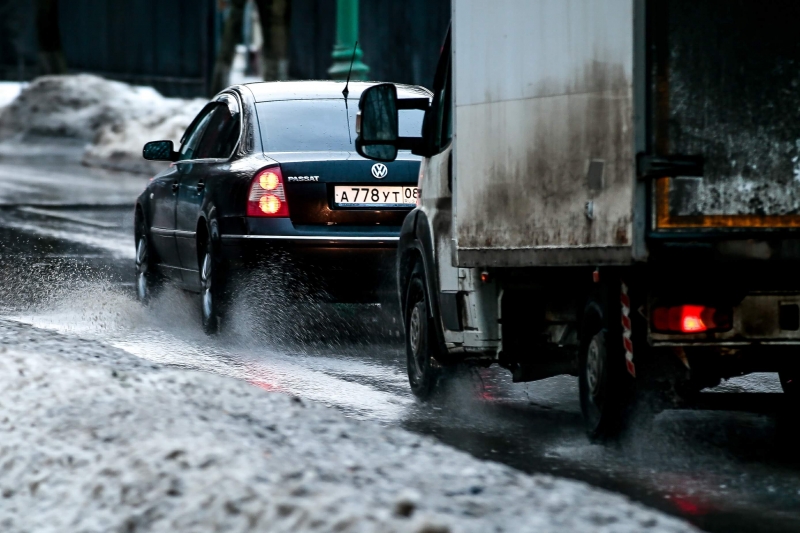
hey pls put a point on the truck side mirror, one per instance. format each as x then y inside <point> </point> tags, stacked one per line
<point>160,151</point>
<point>378,126</point>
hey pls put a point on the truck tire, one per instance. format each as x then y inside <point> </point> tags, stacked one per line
<point>424,371</point>
<point>604,383</point>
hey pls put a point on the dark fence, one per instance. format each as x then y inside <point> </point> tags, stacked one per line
<point>167,44</point>
<point>17,39</point>
<point>171,44</point>
<point>401,39</point>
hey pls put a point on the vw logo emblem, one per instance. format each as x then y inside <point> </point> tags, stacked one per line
<point>379,170</point>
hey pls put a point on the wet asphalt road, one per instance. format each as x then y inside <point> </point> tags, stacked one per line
<point>66,264</point>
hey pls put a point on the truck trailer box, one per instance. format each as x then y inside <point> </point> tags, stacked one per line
<point>584,128</point>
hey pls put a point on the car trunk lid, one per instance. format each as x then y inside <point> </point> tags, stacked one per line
<point>311,181</point>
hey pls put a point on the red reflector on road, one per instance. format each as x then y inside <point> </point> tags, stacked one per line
<point>690,319</point>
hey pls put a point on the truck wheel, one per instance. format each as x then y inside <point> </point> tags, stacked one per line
<point>424,371</point>
<point>603,379</point>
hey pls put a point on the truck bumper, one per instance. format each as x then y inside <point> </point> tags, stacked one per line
<point>761,319</point>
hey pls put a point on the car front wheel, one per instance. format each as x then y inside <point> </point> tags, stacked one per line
<point>146,275</point>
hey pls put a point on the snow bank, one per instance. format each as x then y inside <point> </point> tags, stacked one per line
<point>114,119</point>
<point>9,90</point>
<point>87,447</point>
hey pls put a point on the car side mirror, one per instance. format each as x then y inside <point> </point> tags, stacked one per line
<point>378,130</point>
<point>160,151</point>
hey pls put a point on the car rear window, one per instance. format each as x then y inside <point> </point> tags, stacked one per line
<point>319,125</point>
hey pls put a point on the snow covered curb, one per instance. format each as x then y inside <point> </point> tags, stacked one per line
<point>87,447</point>
<point>114,119</point>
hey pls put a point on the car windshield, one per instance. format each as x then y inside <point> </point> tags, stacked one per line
<point>319,125</point>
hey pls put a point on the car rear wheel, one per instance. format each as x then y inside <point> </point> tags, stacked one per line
<point>424,370</point>
<point>211,289</point>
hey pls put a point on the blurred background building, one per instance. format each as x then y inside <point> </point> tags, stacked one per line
<point>194,47</point>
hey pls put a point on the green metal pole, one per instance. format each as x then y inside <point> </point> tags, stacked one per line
<point>346,37</point>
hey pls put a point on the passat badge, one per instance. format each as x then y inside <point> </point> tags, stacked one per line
<point>306,179</point>
<point>379,170</point>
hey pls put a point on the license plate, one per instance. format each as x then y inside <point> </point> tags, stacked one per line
<point>376,196</point>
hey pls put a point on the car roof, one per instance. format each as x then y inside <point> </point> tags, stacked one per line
<point>323,89</point>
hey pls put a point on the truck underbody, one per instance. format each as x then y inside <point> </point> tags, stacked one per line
<point>673,328</point>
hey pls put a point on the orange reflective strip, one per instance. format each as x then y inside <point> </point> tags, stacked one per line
<point>666,220</point>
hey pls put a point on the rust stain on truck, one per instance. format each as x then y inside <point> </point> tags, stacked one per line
<point>547,149</point>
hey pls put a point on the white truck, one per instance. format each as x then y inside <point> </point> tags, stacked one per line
<point>610,189</point>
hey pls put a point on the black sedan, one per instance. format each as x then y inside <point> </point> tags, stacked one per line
<point>266,171</point>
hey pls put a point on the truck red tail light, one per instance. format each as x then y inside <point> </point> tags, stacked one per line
<point>691,319</point>
<point>267,195</point>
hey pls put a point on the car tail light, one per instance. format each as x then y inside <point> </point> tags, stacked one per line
<point>691,319</point>
<point>267,195</point>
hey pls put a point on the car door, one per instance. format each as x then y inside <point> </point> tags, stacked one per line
<point>210,159</point>
<point>163,195</point>
<point>164,199</point>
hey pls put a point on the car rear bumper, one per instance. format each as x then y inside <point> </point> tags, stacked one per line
<point>325,253</point>
<point>306,241</point>
<point>351,264</point>
<point>258,232</point>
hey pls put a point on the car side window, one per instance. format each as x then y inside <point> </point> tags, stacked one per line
<point>192,137</point>
<point>222,132</point>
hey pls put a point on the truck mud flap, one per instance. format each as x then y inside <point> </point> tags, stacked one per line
<point>627,331</point>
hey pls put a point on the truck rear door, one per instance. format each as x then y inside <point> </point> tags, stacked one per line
<point>726,89</point>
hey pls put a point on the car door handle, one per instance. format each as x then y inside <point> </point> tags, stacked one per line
<point>175,186</point>
<point>200,186</point>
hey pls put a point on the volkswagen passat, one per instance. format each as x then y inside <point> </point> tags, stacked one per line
<point>268,171</point>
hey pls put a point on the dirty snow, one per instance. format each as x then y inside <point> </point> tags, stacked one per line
<point>113,119</point>
<point>121,446</point>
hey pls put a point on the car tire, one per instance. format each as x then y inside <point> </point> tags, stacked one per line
<point>605,386</point>
<point>422,354</point>
<point>147,278</point>
<point>212,291</point>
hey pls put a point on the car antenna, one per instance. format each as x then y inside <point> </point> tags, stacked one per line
<point>346,91</point>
